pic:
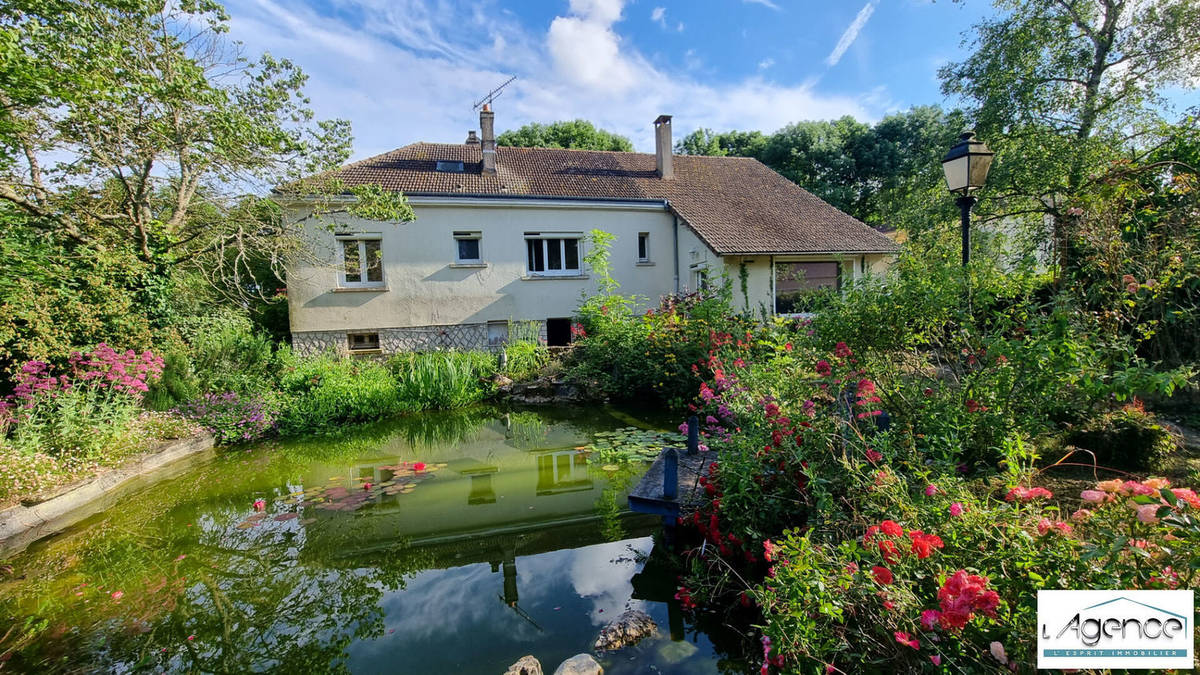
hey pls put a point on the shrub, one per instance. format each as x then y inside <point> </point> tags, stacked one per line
<point>324,391</point>
<point>80,413</point>
<point>926,574</point>
<point>661,355</point>
<point>1129,438</point>
<point>233,418</point>
<point>227,354</point>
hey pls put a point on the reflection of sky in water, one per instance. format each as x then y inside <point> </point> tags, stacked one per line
<point>456,620</point>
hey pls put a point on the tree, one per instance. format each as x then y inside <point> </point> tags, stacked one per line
<point>729,144</point>
<point>1061,88</point>
<point>134,125</point>
<point>574,134</point>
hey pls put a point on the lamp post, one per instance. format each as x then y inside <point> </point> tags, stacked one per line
<point>966,168</point>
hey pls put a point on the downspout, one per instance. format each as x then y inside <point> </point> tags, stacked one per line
<point>675,244</point>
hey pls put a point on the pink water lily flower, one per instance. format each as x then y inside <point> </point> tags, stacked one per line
<point>260,504</point>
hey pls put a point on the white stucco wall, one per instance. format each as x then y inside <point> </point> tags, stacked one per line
<point>424,286</point>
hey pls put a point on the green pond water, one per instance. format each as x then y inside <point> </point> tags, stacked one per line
<point>438,543</point>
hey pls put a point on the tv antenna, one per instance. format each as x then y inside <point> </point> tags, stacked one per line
<point>492,95</point>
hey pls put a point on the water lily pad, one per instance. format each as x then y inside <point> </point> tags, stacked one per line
<point>611,467</point>
<point>286,516</point>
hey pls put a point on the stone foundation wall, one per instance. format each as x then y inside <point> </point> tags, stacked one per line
<point>408,339</point>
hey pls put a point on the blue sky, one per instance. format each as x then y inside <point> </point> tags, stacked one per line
<point>409,70</point>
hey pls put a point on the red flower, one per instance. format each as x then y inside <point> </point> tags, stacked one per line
<point>974,406</point>
<point>823,368</point>
<point>891,528</point>
<point>840,350</point>
<point>419,466</point>
<point>768,550</point>
<point>882,575</point>
<point>870,533</point>
<point>923,544</point>
<point>874,456</point>
<point>907,640</point>
<point>961,596</point>
<point>887,548</point>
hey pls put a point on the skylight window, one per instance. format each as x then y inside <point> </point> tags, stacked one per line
<point>450,167</point>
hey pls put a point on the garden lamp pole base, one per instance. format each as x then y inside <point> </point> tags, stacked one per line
<point>965,203</point>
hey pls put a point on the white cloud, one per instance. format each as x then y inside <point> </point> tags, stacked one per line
<point>403,71</point>
<point>659,16</point>
<point>766,63</point>
<point>851,33</point>
<point>764,3</point>
<point>679,28</point>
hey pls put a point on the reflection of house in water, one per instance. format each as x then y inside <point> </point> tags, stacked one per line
<point>514,471</point>
<point>482,491</point>
<point>562,471</point>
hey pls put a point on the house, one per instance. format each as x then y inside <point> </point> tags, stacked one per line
<point>501,233</point>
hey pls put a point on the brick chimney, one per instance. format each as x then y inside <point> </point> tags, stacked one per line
<point>662,147</point>
<point>472,139</point>
<point>487,130</point>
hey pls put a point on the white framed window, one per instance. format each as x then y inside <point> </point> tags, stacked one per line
<point>699,278</point>
<point>796,282</point>
<point>552,254</point>
<point>643,251</point>
<point>362,261</point>
<point>467,249</point>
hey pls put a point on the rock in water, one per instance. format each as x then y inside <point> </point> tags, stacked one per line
<point>625,630</point>
<point>580,664</point>
<point>527,665</point>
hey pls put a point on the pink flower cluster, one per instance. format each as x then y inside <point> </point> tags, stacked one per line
<point>1115,490</point>
<point>960,598</point>
<point>127,371</point>
<point>104,368</point>
<point>1024,494</point>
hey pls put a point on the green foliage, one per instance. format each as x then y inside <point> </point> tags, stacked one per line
<point>442,380</point>
<point>1061,89</point>
<point>729,144</point>
<point>574,134</point>
<point>630,444</point>
<point>322,392</point>
<point>60,297</point>
<point>79,422</point>
<point>1127,438</point>
<point>229,354</point>
<point>525,360</point>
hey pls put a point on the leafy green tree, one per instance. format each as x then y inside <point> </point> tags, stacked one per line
<point>728,144</point>
<point>573,134</point>
<point>137,126</point>
<point>1061,88</point>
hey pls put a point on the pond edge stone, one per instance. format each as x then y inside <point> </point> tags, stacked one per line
<point>24,524</point>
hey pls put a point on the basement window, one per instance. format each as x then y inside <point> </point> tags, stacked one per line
<point>449,167</point>
<point>363,342</point>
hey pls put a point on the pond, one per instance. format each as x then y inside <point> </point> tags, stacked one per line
<point>439,543</point>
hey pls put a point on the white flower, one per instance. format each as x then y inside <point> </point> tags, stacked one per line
<point>998,653</point>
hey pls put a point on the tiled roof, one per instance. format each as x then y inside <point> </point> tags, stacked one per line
<point>736,205</point>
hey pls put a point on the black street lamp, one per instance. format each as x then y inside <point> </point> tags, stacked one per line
<point>966,168</point>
